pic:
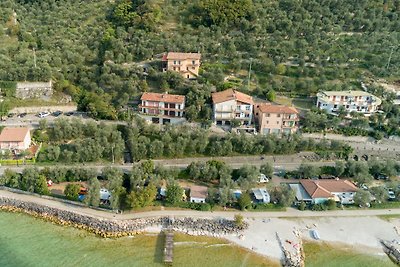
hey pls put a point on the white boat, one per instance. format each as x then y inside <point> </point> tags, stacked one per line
<point>314,234</point>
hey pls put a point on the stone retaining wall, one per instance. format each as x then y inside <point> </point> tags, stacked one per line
<point>118,228</point>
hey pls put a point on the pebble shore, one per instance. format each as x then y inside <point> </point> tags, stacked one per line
<point>119,228</point>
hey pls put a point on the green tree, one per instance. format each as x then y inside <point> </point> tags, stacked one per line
<point>71,191</point>
<point>239,220</point>
<point>283,195</point>
<point>244,201</point>
<point>93,196</point>
<point>362,198</point>
<point>267,169</point>
<point>271,95</point>
<point>380,193</point>
<point>330,204</point>
<point>174,194</point>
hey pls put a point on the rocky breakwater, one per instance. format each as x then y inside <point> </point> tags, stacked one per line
<point>119,228</point>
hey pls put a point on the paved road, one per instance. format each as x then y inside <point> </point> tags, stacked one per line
<point>286,162</point>
<point>290,213</point>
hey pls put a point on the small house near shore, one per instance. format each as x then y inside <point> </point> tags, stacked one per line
<point>319,191</point>
<point>198,194</point>
<point>15,139</point>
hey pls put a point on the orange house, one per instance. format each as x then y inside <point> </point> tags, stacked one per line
<point>187,64</point>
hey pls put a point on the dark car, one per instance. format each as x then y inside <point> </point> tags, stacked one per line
<point>10,115</point>
<point>69,113</point>
<point>381,177</point>
<point>57,113</point>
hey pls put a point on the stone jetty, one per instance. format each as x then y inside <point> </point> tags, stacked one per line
<point>120,228</point>
<point>392,249</point>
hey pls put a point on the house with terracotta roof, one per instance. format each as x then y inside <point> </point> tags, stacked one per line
<point>198,194</point>
<point>162,108</point>
<point>319,191</point>
<point>276,119</point>
<point>15,139</point>
<point>187,64</point>
<point>231,105</point>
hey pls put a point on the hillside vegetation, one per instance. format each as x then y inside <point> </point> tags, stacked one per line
<point>91,48</point>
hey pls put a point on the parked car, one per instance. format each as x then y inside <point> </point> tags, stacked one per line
<point>57,113</point>
<point>381,177</point>
<point>391,194</point>
<point>43,114</point>
<point>364,187</point>
<point>22,115</point>
<point>69,113</point>
<point>10,115</point>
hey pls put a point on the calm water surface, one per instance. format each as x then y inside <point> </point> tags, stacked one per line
<point>30,242</point>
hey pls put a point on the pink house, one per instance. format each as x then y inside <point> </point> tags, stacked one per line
<point>276,119</point>
<point>15,139</point>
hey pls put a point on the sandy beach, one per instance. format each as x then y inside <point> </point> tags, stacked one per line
<point>359,233</point>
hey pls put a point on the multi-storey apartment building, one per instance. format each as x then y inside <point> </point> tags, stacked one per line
<point>162,108</point>
<point>187,64</point>
<point>231,105</point>
<point>276,119</point>
<point>358,101</point>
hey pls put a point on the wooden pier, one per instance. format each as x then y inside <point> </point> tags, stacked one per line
<point>169,246</point>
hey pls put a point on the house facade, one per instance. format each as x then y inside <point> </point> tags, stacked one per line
<point>25,90</point>
<point>15,139</point>
<point>232,105</point>
<point>187,64</point>
<point>319,191</point>
<point>198,194</point>
<point>358,101</point>
<point>162,108</point>
<point>276,119</point>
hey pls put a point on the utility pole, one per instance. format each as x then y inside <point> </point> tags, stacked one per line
<point>390,57</point>
<point>248,79</point>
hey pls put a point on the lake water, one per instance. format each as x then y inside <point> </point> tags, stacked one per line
<point>27,241</point>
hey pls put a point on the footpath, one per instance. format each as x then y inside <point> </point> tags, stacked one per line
<point>290,213</point>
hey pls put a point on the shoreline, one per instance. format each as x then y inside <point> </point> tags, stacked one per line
<point>119,228</point>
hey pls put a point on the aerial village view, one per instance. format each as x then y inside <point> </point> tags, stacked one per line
<point>199,133</point>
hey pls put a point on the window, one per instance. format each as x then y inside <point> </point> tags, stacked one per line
<point>278,115</point>
<point>334,106</point>
<point>277,122</point>
<point>267,122</point>
<point>193,68</point>
<point>187,68</point>
<point>179,62</point>
<point>268,114</point>
<point>247,107</point>
<point>238,108</point>
<point>174,68</point>
<point>174,62</point>
<point>193,62</point>
<point>247,115</point>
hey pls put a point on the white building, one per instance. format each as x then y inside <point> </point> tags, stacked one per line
<point>231,105</point>
<point>358,101</point>
<point>198,194</point>
<point>15,139</point>
<point>162,108</point>
<point>261,195</point>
